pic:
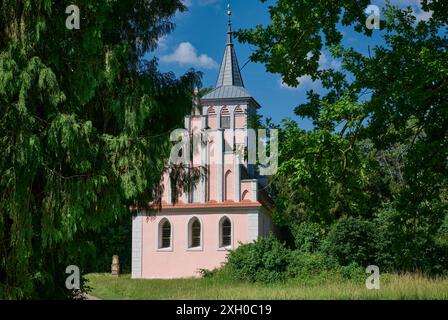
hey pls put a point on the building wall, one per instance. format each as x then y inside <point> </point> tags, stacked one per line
<point>218,155</point>
<point>223,185</point>
<point>180,261</point>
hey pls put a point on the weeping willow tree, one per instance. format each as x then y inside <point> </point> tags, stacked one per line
<point>84,130</point>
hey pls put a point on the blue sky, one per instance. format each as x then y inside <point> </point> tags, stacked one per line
<point>199,40</point>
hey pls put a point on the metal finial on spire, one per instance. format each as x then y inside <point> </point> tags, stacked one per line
<point>229,30</point>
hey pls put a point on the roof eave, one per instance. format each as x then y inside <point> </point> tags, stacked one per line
<point>217,101</point>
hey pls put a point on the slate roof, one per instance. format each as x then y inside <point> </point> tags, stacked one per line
<point>227,92</point>
<point>230,83</point>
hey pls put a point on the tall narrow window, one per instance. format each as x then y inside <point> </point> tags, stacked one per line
<point>225,232</point>
<point>225,122</point>
<point>239,118</point>
<point>228,188</point>
<point>164,234</point>
<point>212,118</point>
<point>225,118</point>
<point>195,233</point>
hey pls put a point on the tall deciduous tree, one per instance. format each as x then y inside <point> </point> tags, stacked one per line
<point>381,131</point>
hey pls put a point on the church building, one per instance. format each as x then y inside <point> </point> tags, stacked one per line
<point>226,208</point>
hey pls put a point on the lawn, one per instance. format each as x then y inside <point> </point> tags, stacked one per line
<point>105,286</point>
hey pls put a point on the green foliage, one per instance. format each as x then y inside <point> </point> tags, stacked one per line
<point>404,242</point>
<point>84,132</point>
<point>353,272</point>
<point>265,260</point>
<point>221,274</point>
<point>441,249</point>
<point>351,240</point>
<point>385,242</point>
<point>378,150</point>
<point>442,234</point>
<point>306,265</point>
<point>298,29</point>
<point>115,240</point>
<point>308,237</point>
<point>322,175</point>
<point>268,261</point>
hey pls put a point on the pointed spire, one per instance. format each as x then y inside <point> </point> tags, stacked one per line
<point>229,74</point>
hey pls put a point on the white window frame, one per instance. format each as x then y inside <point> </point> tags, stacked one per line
<point>219,233</point>
<point>159,233</point>
<point>227,117</point>
<point>189,234</point>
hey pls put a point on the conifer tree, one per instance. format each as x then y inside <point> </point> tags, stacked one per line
<point>84,130</point>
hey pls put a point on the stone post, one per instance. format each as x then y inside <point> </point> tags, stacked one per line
<point>115,266</point>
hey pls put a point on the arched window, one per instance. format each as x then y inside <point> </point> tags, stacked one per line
<point>239,118</point>
<point>225,232</point>
<point>245,195</point>
<point>212,119</point>
<point>211,110</point>
<point>194,233</point>
<point>164,234</point>
<point>225,118</point>
<point>239,110</point>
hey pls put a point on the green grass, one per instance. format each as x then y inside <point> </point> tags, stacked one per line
<point>105,286</point>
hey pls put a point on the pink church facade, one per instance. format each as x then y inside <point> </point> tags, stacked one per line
<point>226,208</point>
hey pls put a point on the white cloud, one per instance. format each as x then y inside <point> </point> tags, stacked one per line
<point>417,10</point>
<point>422,15</point>
<point>162,43</point>
<point>186,55</point>
<point>416,6</point>
<point>404,3</point>
<point>327,63</point>
<point>306,82</point>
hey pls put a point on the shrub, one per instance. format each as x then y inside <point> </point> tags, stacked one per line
<point>441,249</point>
<point>207,273</point>
<point>221,274</point>
<point>307,264</point>
<point>353,272</point>
<point>351,240</point>
<point>386,241</point>
<point>408,241</point>
<point>308,237</point>
<point>265,260</point>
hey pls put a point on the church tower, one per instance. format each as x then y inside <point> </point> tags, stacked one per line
<point>228,206</point>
